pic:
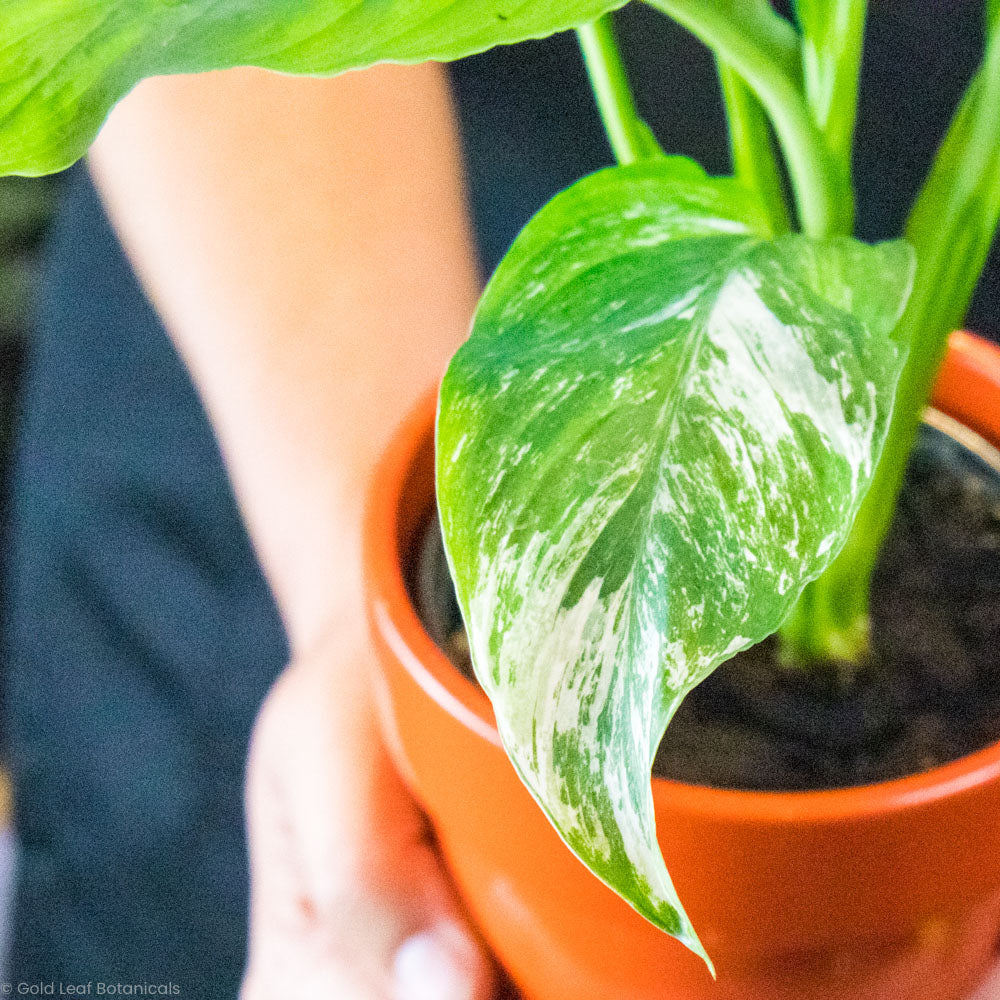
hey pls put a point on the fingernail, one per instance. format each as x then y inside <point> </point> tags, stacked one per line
<point>439,964</point>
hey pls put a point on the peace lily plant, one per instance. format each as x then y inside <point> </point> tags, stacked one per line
<point>682,417</point>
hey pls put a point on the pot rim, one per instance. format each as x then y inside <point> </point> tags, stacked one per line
<point>396,619</point>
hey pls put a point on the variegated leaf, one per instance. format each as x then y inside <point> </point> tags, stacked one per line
<point>659,430</point>
<point>64,63</point>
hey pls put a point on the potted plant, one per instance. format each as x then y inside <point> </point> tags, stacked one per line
<point>679,426</point>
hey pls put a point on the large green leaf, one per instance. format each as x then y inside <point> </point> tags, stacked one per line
<point>660,428</point>
<point>64,63</point>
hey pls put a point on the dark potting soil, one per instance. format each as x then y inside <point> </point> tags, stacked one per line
<point>929,693</point>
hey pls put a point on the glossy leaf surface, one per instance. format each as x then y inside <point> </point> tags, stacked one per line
<point>660,428</point>
<point>64,63</point>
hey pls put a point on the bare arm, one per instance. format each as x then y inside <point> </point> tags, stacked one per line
<point>306,244</point>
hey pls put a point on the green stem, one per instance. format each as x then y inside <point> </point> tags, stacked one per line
<point>745,34</point>
<point>832,45</point>
<point>951,227</point>
<point>752,147</point>
<point>630,137</point>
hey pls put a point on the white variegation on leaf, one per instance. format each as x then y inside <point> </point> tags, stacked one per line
<point>659,430</point>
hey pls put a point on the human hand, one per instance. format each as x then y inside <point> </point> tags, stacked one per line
<point>348,897</point>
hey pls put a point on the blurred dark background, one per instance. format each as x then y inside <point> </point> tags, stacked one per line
<point>26,206</point>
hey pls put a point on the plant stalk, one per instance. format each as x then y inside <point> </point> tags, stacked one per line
<point>630,137</point>
<point>752,150</point>
<point>832,44</point>
<point>951,228</point>
<point>746,35</point>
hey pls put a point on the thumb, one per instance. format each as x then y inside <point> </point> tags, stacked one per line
<point>440,962</point>
<point>348,895</point>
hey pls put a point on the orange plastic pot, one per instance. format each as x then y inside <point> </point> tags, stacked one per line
<point>887,892</point>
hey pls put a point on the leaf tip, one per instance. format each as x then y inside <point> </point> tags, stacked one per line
<point>693,944</point>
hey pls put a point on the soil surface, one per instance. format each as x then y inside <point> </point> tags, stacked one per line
<point>930,692</point>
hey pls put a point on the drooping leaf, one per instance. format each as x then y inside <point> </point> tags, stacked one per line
<point>64,63</point>
<point>658,432</point>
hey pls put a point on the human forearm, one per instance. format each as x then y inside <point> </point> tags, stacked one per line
<point>306,245</point>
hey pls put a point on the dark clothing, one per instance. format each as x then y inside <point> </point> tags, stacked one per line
<point>141,639</point>
<point>140,634</point>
